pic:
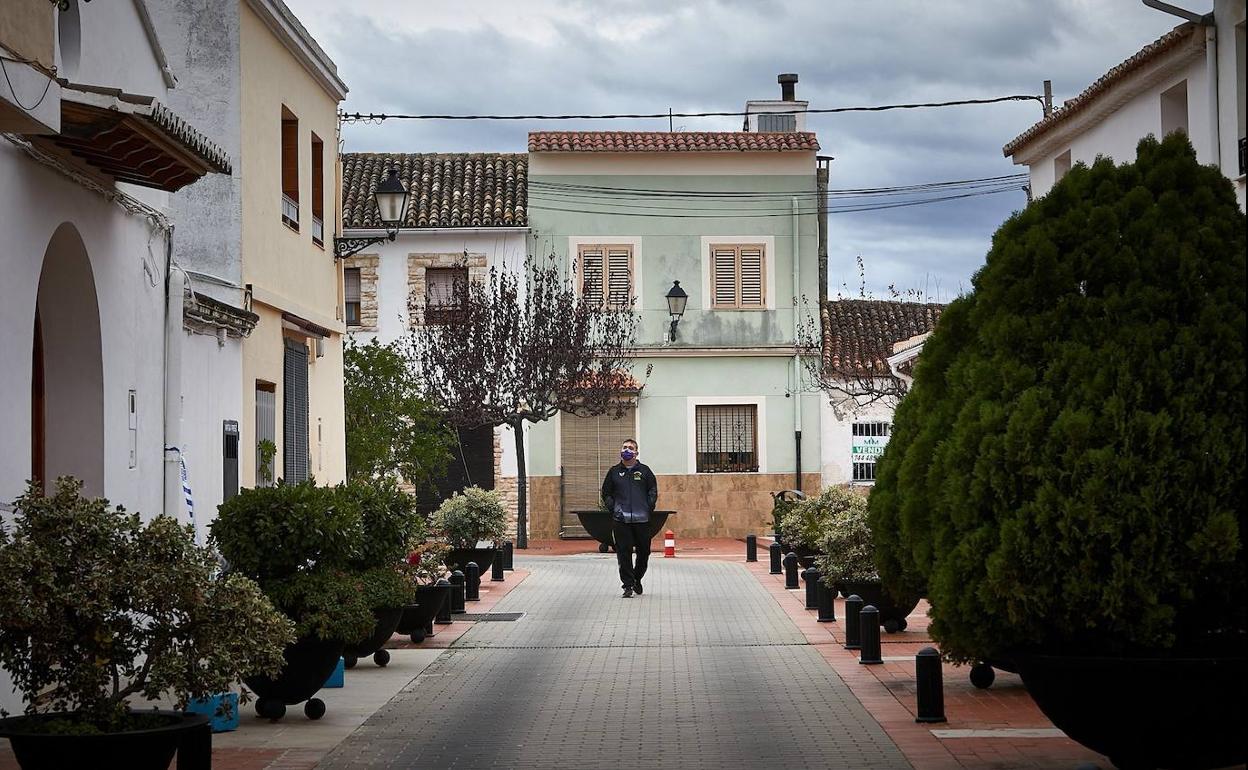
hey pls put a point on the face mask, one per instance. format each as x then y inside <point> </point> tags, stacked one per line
<point>627,454</point>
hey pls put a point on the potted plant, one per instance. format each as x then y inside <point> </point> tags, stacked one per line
<point>389,522</point>
<point>802,522</point>
<point>464,520</point>
<point>838,519</point>
<point>1067,473</point>
<point>426,564</point>
<point>298,541</point>
<point>99,609</point>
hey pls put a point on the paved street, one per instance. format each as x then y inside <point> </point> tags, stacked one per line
<point>703,671</point>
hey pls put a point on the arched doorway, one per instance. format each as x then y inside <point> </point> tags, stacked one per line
<point>67,380</point>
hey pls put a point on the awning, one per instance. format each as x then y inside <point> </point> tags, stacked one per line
<point>134,138</point>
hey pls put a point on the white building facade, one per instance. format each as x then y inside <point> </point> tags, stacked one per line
<point>1192,79</point>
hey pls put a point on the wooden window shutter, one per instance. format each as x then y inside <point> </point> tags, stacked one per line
<point>751,276</point>
<point>592,264</point>
<point>724,277</point>
<point>619,276</point>
<point>290,159</point>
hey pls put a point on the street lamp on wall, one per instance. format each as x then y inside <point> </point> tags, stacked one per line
<point>391,199</point>
<point>676,301</point>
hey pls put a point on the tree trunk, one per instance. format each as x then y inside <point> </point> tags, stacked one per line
<point>522,484</point>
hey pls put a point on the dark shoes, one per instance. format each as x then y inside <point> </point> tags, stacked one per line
<point>628,592</point>
<point>637,588</point>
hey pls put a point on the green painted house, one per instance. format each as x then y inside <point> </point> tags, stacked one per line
<point>723,418</point>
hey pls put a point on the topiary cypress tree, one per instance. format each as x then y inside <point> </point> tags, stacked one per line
<point>1067,472</point>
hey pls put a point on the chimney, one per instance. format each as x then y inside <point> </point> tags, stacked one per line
<point>787,82</point>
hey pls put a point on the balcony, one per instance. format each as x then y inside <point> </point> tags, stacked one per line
<point>318,230</point>
<point>290,211</point>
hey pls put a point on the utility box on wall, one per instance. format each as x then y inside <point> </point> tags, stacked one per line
<point>229,459</point>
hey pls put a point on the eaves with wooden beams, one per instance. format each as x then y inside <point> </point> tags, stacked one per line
<point>132,138</point>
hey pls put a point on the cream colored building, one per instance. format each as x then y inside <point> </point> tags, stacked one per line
<point>292,362</point>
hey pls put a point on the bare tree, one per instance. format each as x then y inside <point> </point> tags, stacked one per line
<point>512,349</point>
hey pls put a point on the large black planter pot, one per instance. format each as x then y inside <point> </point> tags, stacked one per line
<point>1146,712</point>
<point>148,749</point>
<point>599,524</point>
<point>417,617</point>
<point>387,622</point>
<point>309,662</point>
<point>893,611</point>
<point>458,557</point>
<point>805,556</point>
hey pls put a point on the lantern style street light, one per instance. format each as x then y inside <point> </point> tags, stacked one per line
<point>391,199</point>
<point>676,301</point>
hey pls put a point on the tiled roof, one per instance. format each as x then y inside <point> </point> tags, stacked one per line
<point>667,141</point>
<point>444,189</point>
<point>859,334</point>
<point>1167,42</point>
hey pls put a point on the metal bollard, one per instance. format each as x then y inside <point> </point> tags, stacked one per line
<point>811,576</point>
<point>444,610</point>
<point>508,555</point>
<point>827,603</point>
<point>931,688</point>
<point>751,547</point>
<point>472,582</point>
<point>853,638</point>
<point>790,571</point>
<point>496,568</point>
<point>773,551</point>
<point>869,635</point>
<point>457,593</point>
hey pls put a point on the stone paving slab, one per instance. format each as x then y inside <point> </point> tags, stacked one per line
<point>703,671</point>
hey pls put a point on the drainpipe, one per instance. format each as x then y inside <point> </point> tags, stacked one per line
<point>797,357</point>
<point>1211,65</point>
<point>173,383</point>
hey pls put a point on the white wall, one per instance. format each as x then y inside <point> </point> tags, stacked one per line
<point>836,437</point>
<point>211,394</point>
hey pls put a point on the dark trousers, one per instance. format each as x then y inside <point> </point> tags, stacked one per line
<point>628,537</point>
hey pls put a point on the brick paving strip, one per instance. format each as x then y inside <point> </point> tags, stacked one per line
<point>705,670</point>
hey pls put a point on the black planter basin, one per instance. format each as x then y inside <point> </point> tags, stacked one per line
<point>893,612</point>
<point>309,662</point>
<point>805,556</point>
<point>387,621</point>
<point>458,557</point>
<point>148,749</point>
<point>417,617</point>
<point>1146,712</point>
<point>599,525</point>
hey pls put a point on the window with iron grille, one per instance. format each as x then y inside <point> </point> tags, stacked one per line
<point>446,290</point>
<point>867,444</point>
<point>351,292</point>
<point>727,438</point>
<point>738,277</point>
<point>290,168</point>
<point>606,274</point>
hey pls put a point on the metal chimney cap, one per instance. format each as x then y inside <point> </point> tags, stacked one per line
<point>786,77</point>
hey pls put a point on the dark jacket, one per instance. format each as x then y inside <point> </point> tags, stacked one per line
<point>630,493</point>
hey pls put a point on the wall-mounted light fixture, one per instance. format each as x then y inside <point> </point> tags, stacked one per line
<point>391,199</point>
<point>676,301</point>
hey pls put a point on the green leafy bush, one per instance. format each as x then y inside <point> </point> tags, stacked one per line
<point>426,563</point>
<point>98,608</point>
<point>389,520</point>
<point>804,522</point>
<point>330,603</point>
<point>466,518</point>
<point>1067,471</point>
<point>837,524</point>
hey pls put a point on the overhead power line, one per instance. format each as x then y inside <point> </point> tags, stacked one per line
<point>560,189</point>
<point>378,117</point>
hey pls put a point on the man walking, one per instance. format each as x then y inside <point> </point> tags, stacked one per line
<point>630,492</point>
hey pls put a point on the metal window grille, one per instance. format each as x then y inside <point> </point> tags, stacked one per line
<point>351,292</point>
<point>864,471</point>
<point>318,230</point>
<point>727,438</point>
<point>446,289</point>
<point>290,211</point>
<point>871,428</point>
<point>777,123</point>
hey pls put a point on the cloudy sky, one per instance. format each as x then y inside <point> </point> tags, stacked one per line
<point>583,56</point>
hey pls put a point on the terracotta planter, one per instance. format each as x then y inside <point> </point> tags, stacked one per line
<point>1146,712</point>
<point>150,748</point>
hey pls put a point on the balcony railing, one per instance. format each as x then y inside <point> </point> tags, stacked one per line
<point>1243,155</point>
<point>290,211</point>
<point>318,230</point>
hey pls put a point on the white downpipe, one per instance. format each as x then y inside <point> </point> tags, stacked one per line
<point>797,358</point>
<point>1211,70</point>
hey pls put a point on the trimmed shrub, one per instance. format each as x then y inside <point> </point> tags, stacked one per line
<point>843,536</point>
<point>467,518</point>
<point>1067,470</point>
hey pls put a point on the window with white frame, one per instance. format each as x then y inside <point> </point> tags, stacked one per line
<point>867,444</point>
<point>606,274</point>
<point>726,439</point>
<point>738,277</point>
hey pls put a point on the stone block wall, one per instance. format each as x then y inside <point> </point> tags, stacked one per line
<point>418,263</point>
<point>369,309</point>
